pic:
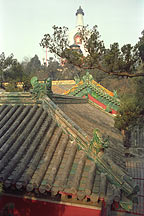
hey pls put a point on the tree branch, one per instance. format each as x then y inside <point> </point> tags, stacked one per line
<point>123,73</point>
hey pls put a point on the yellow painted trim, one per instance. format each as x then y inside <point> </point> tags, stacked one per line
<point>63,82</point>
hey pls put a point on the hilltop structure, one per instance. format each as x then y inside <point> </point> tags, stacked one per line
<point>74,36</point>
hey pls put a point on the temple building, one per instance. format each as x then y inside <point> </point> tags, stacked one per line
<point>60,153</point>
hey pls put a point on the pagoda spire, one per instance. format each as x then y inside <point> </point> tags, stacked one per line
<point>79,20</point>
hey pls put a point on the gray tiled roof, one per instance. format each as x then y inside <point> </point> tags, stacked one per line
<point>35,153</point>
<point>88,118</point>
<point>38,154</point>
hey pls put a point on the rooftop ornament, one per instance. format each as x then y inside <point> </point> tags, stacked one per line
<point>98,144</point>
<point>115,94</point>
<point>41,89</point>
<point>88,77</point>
<point>77,79</point>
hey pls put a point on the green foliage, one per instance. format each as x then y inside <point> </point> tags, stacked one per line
<point>58,42</point>
<point>15,72</point>
<point>139,94</point>
<point>130,58</point>
<point>98,75</point>
<point>33,65</point>
<point>131,110</point>
<point>5,63</point>
<point>72,56</point>
<point>127,113</point>
<point>113,61</point>
<point>112,57</point>
<point>26,82</point>
<point>69,71</point>
<point>52,69</point>
<point>140,47</point>
<point>119,60</point>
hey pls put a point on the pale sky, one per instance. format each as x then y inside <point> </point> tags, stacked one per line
<point>24,22</point>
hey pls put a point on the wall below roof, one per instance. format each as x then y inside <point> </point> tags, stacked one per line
<point>27,206</point>
<point>35,207</point>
